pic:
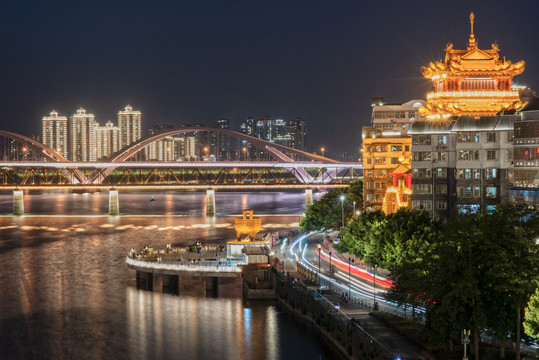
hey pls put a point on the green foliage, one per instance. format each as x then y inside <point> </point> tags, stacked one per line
<point>531,317</point>
<point>326,212</point>
<point>472,271</point>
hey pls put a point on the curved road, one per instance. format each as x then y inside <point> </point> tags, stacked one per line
<point>304,249</point>
<point>345,277</point>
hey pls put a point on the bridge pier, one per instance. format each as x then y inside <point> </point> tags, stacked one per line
<point>114,204</point>
<point>18,202</point>
<point>210,202</point>
<point>308,198</point>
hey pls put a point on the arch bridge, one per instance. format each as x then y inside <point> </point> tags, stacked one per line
<point>122,172</point>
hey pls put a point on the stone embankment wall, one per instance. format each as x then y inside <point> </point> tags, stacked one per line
<point>341,332</point>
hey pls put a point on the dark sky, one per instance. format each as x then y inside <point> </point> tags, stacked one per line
<point>188,62</point>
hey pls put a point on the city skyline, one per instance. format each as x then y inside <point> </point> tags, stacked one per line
<point>197,63</point>
<point>82,138</point>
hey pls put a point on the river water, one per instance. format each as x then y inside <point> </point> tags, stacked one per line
<point>67,293</point>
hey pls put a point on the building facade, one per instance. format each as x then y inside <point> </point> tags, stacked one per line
<point>129,122</point>
<point>462,164</point>
<point>220,143</point>
<point>55,132</point>
<point>292,134</point>
<point>106,140</point>
<point>387,156</point>
<point>82,136</point>
<point>524,176</point>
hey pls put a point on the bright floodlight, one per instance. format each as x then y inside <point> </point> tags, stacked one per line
<point>342,197</point>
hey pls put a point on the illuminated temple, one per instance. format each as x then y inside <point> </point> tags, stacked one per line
<point>466,148</point>
<point>471,82</point>
<point>463,145</point>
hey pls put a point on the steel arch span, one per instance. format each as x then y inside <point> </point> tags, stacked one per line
<point>276,149</point>
<point>36,145</point>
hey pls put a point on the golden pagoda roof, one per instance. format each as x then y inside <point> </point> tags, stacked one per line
<point>472,61</point>
<point>471,81</point>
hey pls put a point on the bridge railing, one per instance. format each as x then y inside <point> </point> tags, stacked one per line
<point>36,176</point>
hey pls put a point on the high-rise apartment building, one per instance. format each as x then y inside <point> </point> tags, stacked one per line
<point>55,132</point>
<point>107,140</point>
<point>248,127</point>
<point>278,131</point>
<point>220,143</point>
<point>269,128</point>
<point>173,148</point>
<point>129,122</point>
<point>82,136</point>
<point>297,129</point>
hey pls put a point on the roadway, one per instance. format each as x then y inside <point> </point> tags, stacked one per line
<point>361,284</point>
<point>349,278</point>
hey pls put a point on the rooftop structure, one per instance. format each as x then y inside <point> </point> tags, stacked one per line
<point>471,82</point>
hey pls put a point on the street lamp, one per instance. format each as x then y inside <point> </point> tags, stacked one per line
<point>330,253</point>
<point>319,247</point>
<point>374,289</point>
<point>465,341</point>
<point>244,155</point>
<point>322,149</point>
<point>354,208</point>
<point>342,197</point>
<point>350,260</point>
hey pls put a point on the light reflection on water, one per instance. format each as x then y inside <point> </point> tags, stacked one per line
<point>67,293</point>
<point>192,203</point>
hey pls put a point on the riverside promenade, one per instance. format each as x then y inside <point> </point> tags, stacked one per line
<point>372,337</point>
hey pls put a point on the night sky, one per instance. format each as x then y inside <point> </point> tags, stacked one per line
<point>194,62</point>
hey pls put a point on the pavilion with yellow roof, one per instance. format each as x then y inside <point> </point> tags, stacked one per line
<point>471,82</point>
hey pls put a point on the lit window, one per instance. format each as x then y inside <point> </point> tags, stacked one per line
<point>491,192</point>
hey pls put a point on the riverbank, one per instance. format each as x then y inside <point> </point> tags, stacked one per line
<point>346,334</point>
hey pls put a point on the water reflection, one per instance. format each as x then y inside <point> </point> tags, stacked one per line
<point>67,293</point>
<point>165,203</point>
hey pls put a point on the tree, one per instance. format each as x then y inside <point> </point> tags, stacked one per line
<point>531,317</point>
<point>518,227</point>
<point>472,271</point>
<point>326,212</point>
<point>357,238</point>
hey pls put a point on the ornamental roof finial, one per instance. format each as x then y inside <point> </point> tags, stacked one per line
<point>472,43</point>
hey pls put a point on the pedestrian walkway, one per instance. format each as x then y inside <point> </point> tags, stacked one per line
<point>377,329</point>
<point>386,336</point>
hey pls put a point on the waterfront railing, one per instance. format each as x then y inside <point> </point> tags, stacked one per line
<point>181,267</point>
<point>342,328</point>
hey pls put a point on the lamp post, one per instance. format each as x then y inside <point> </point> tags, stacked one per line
<point>374,289</point>
<point>354,208</point>
<point>342,197</point>
<point>350,260</point>
<point>244,154</point>
<point>322,149</point>
<point>319,251</point>
<point>330,269</point>
<point>465,336</point>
